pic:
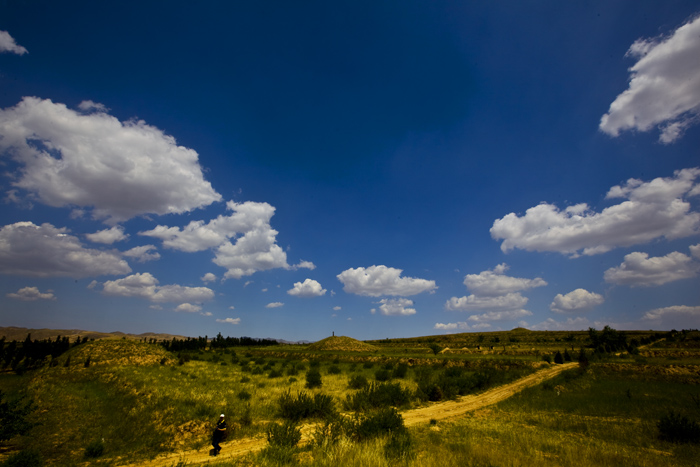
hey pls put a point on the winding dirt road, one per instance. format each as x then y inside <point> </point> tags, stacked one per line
<point>437,411</point>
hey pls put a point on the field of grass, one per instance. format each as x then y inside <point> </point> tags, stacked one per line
<point>119,401</point>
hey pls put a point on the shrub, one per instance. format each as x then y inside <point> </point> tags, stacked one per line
<point>435,348</point>
<point>377,395</point>
<point>382,375</point>
<point>547,358</point>
<point>285,435</point>
<point>305,406</point>
<point>275,374</point>
<point>368,365</point>
<point>94,449</point>
<point>314,364</point>
<point>257,371</point>
<point>244,395</point>
<point>313,379</point>
<point>292,380</point>
<point>376,424</point>
<point>678,428</point>
<point>13,417</point>
<point>29,458</point>
<point>292,371</point>
<point>245,379</point>
<point>567,356</point>
<point>400,371</point>
<point>336,361</point>
<point>558,358</point>
<point>357,382</point>
<point>334,370</point>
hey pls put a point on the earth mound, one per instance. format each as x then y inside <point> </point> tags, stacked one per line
<point>520,330</point>
<point>120,352</point>
<point>342,343</point>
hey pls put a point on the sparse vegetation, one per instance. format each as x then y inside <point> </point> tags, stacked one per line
<point>624,410</point>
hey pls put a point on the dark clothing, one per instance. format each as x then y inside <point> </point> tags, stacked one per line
<point>219,435</point>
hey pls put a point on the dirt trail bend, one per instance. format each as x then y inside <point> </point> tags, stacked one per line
<point>437,411</point>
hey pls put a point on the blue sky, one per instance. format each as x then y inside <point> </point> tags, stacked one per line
<point>373,169</point>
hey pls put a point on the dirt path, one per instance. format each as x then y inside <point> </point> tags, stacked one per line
<point>437,411</point>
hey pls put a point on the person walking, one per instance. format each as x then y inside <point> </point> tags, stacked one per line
<point>219,434</point>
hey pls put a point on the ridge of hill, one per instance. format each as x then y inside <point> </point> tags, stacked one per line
<point>343,343</point>
<point>12,333</point>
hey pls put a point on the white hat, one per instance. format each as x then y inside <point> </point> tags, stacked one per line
<point>222,415</point>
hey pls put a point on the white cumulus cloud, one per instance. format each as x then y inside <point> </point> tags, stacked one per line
<point>652,210</point>
<point>460,326</point>
<point>576,301</point>
<point>143,253</point>
<point>664,87</point>
<point>144,285</point>
<point>658,313</point>
<point>274,305</point>
<point>30,294</point>
<point>108,236</point>
<point>188,308</point>
<point>307,289</point>
<point>8,44</point>
<point>494,282</point>
<point>229,320</point>
<point>375,281</point>
<point>638,269</point>
<point>209,277</point>
<point>475,303</point>
<point>695,251</point>
<point>396,307</point>
<point>43,250</point>
<point>499,316</point>
<point>571,324</point>
<point>244,242</point>
<point>120,169</point>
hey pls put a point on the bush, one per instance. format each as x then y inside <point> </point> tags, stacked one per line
<point>13,417</point>
<point>329,433</point>
<point>400,371</point>
<point>357,382</point>
<point>285,435</point>
<point>547,358</point>
<point>275,374</point>
<point>678,428</point>
<point>368,365</point>
<point>567,356</point>
<point>334,370</point>
<point>244,395</point>
<point>94,449</point>
<point>558,358</point>
<point>313,379</point>
<point>376,424</point>
<point>305,406</point>
<point>378,395</point>
<point>245,379</point>
<point>30,458</point>
<point>382,375</point>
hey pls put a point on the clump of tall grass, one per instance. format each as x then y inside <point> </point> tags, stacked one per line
<point>678,428</point>
<point>357,382</point>
<point>378,395</point>
<point>305,406</point>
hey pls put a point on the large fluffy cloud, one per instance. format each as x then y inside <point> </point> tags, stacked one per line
<point>496,292</point>
<point>46,251</point>
<point>494,282</point>
<point>576,301</point>
<point>142,253</point>
<point>254,248</point>
<point>121,169</point>
<point>307,289</point>
<point>639,270</point>
<point>396,307</point>
<point>30,294</point>
<point>375,281</point>
<point>652,210</point>
<point>664,88</point>
<point>144,285</point>
<point>8,44</point>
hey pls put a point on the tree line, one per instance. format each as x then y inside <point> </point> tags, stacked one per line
<point>32,353</point>
<point>219,342</point>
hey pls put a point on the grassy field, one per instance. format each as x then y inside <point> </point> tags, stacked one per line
<point>134,400</point>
